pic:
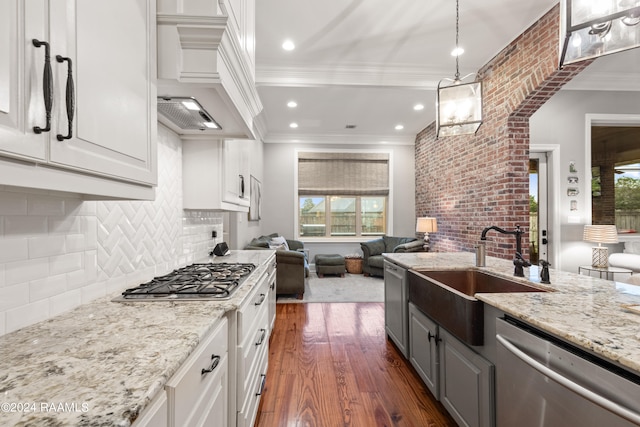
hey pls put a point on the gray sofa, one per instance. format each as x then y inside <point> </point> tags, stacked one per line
<point>372,260</point>
<point>292,266</point>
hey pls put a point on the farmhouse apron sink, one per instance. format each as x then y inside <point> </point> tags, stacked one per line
<point>447,296</point>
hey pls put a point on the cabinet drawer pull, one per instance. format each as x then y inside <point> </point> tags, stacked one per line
<point>47,86</point>
<point>261,300</point>
<point>435,337</point>
<point>262,336</point>
<point>70,97</point>
<point>215,359</point>
<point>263,379</point>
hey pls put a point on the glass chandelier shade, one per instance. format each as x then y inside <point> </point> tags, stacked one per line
<point>458,104</point>
<point>459,108</point>
<point>593,28</point>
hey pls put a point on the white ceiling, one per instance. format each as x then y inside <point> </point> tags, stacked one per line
<point>368,62</point>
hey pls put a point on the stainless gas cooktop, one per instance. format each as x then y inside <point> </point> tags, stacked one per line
<point>195,282</point>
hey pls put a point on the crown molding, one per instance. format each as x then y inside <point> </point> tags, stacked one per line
<point>411,77</point>
<point>339,138</point>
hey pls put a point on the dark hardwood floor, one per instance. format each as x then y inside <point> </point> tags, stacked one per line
<point>332,365</point>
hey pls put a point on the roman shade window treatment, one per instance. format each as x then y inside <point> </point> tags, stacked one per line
<point>355,174</point>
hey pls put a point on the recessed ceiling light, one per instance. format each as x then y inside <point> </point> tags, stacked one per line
<point>399,127</point>
<point>457,51</point>
<point>293,125</point>
<point>292,104</point>
<point>418,107</point>
<point>288,45</point>
<point>211,125</point>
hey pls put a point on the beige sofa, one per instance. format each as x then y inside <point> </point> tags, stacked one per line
<point>630,259</point>
<point>292,266</point>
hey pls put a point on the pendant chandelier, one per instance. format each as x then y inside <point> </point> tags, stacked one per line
<point>593,28</point>
<point>458,104</point>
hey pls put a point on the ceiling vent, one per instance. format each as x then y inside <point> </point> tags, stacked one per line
<point>186,113</point>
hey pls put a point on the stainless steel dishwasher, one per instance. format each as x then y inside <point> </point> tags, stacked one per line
<point>542,381</point>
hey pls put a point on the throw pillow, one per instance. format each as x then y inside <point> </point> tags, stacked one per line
<point>278,242</point>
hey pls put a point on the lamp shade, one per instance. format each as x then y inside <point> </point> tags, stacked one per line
<point>426,225</point>
<point>600,233</point>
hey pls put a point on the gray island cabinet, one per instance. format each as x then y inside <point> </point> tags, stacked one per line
<point>395,302</point>
<point>583,312</point>
<point>456,374</point>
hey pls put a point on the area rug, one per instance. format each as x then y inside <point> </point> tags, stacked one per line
<point>350,288</point>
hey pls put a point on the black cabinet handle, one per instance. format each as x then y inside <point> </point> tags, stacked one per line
<point>435,337</point>
<point>261,300</point>
<point>47,86</point>
<point>241,186</point>
<point>263,379</point>
<point>215,359</point>
<point>70,95</point>
<point>262,337</point>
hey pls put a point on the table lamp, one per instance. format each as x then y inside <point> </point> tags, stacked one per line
<point>600,234</point>
<point>426,225</point>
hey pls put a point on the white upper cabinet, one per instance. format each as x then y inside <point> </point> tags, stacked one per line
<point>215,174</point>
<point>100,96</point>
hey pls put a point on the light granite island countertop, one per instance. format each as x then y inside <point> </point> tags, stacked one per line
<point>586,311</point>
<point>102,363</point>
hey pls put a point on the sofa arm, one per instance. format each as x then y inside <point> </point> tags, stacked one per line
<point>295,245</point>
<point>372,247</point>
<point>290,257</point>
<point>625,260</point>
<point>415,246</point>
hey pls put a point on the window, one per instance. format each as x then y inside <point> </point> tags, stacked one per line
<point>342,194</point>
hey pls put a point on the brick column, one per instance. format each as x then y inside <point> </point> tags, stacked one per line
<point>473,181</point>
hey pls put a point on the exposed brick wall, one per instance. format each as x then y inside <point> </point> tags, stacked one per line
<point>473,181</point>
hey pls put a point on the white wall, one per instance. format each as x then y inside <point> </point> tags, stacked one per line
<point>58,251</point>
<point>561,121</point>
<point>279,201</point>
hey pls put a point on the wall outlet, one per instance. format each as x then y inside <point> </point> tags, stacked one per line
<point>214,234</point>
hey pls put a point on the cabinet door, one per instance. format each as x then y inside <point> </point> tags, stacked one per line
<point>395,305</point>
<point>423,348</point>
<point>21,83</point>
<point>111,45</point>
<point>236,172</point>
<point>466,383</point>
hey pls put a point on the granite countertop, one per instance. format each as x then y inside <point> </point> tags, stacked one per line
<point>102,363</point>
<point>590,312</point>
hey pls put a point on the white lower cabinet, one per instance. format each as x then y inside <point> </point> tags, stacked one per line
<point>198,392</point>
<point>252,351</point>
<point>459,377</point>
<point>155,415</point>
<point>272,295</point>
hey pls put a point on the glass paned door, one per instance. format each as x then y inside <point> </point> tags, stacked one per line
<point>538,231</point>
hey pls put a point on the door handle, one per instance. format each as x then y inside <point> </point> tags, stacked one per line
<point>70,95</point>
<point>47,86</point>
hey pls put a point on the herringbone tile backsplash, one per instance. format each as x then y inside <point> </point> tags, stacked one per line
<point>59,252</point>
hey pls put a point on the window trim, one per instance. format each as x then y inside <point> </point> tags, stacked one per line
<point>345,239</point>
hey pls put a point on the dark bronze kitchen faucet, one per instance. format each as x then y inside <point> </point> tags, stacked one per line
<point>518,261</point>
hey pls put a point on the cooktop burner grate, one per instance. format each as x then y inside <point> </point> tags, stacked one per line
<point>201,281</point>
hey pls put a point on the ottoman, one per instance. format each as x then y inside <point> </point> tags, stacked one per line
<point>329,264</point>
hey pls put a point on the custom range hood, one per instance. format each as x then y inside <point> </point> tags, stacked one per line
<point>186,113</point>
<point>204,55</point>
